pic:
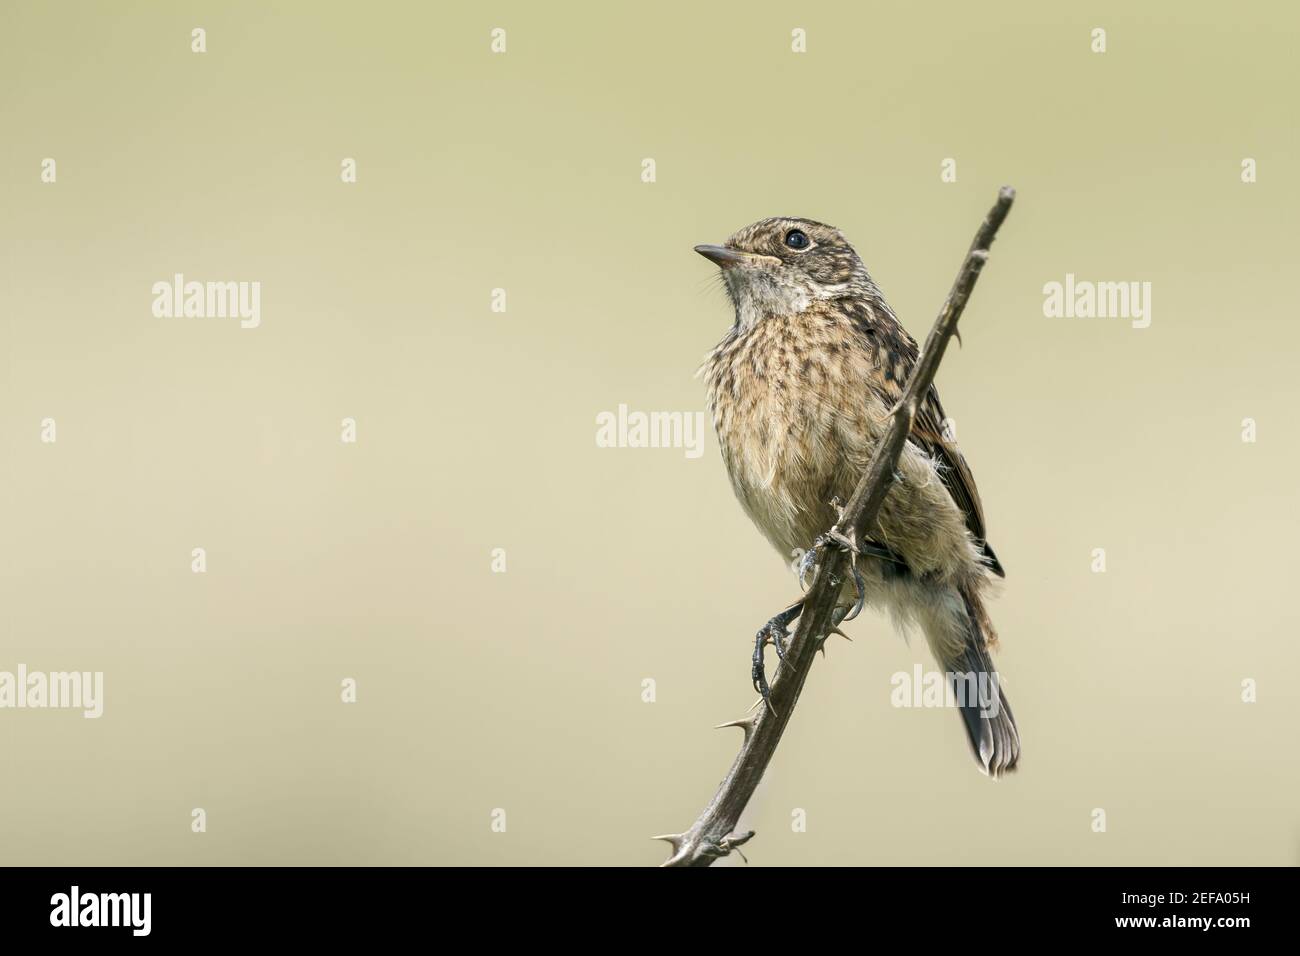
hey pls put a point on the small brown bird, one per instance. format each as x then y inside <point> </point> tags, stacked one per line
<point>800,390</point>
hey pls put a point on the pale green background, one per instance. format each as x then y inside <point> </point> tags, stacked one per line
<point>476,430</point>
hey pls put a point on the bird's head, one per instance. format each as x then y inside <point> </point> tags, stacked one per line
<point>782,266</point>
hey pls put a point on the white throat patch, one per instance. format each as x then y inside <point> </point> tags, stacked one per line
<point>758,294</point>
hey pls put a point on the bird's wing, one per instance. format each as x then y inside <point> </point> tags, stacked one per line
<point>896,355</point>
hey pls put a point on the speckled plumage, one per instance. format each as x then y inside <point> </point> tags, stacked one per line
<point>800,389</point>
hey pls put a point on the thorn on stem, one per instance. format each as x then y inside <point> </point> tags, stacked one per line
<point>675,839</point>
<point>745,723</point>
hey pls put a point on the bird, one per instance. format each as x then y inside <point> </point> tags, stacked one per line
<point>800,390</point>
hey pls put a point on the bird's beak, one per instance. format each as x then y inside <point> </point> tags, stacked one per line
<point>721,255</point>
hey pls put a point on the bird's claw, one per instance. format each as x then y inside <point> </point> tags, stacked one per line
<point>806,564</point>
<point>859,585</point>
<point>846,543</point>
<point>774,632</point>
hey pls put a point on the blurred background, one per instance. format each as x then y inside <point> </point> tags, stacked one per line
<point>522,691</point>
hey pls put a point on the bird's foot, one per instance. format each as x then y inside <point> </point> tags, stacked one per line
<point>845,543</point>
<point>776,633</point>
<point>848,543</point>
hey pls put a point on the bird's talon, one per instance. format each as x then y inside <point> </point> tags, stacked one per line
<point>859,587</point>
<point>806,564</point>
<point>774,632</point>
<point>849,544</point>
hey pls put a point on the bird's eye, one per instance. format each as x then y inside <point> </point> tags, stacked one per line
<point>796,239</point>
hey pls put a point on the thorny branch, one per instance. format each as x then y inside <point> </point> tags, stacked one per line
<point>712,836</point>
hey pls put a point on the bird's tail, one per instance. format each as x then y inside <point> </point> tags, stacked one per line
<point>960,640</point>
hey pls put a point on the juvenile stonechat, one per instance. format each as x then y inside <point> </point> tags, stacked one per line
<point>800,389</point>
